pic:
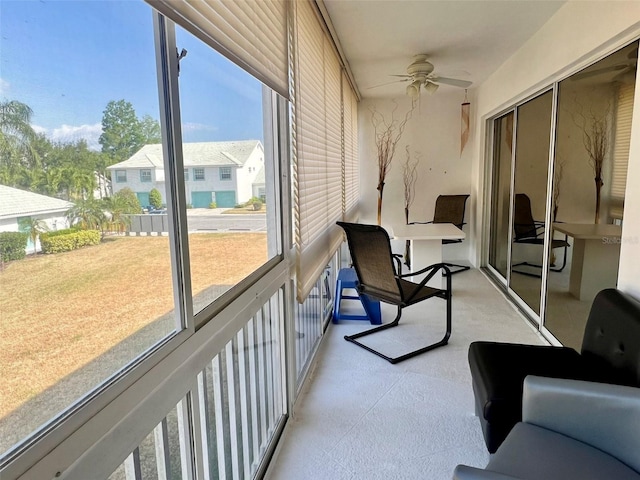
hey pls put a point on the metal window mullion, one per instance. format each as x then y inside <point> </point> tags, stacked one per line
<point>168,93</point>
<point>233,414</point>
<point>132,469</point>
<point>161,443</point>
<point>218,405</point>
<point>253,390</point>
<point>512,183</point>
<point>244,403</point>
<point>548,230</point>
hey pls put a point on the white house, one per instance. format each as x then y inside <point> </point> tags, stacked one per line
<point>19,205</point>
<point>220,172</point>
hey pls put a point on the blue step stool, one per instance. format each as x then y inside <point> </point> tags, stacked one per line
<point>347,279</point>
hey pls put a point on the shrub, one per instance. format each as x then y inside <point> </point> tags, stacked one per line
<point>213,205</point>
<point>256,202</point>
<point>13,246</point>
<point>189,206</point>
<point>155,198</point>
<point>69,239</point>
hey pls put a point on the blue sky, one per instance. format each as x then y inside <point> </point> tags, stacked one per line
<point>67,59</point>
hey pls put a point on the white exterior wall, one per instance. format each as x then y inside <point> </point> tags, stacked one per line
<point>134,183</point>
<point>247,175</point>
<point>53,220</point>
<point>579,34</point>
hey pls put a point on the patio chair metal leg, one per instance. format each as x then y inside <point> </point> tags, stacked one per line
<point>446,295</point>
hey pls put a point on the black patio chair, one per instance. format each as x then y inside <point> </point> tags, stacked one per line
<point>529,231</point>
<point>378,278</point>
<point>450,209</point>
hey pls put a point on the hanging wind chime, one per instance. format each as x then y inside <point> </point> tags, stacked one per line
<point>464,122</point>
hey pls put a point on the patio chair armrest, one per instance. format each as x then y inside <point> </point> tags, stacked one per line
<point>433,268</point>
<point>463,472</point>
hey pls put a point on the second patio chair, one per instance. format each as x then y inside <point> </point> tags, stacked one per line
<point>450,209</point>
<point>529,231</point>
<point>378,278</point>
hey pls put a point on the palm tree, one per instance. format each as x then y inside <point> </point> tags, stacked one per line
<point>16,137</point>
<point>87,214</point>
<point>33,227</point>
<point>119,210</point>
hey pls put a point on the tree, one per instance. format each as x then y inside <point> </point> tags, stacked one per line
<point>127,201</point>
<point>151,132</point>
<point>16,137</point>
<point>122,133</point>
<point>155,198</point>
<point>33,227</point>
<point>88,214</point>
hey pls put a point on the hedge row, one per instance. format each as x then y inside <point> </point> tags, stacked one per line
<point>12,246</point>
<point>55,242</point>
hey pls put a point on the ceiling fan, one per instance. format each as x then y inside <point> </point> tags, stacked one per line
<point>626,66</point>
<point>420,74</point>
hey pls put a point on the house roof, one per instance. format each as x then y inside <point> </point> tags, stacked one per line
<point>20,203</point>
<point>197,154</point>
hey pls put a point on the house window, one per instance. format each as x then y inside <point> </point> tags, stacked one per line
<point>186,175</point>
<point>225,173</point>
<point>121,176</point>
<point>145,176</point>
<point>198,174</point>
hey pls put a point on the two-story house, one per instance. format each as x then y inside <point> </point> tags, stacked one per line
<point>214,172</point>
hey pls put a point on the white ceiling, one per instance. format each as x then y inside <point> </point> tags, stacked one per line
<point>465,39</point>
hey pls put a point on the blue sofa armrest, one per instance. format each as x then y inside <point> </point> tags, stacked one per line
<point>602,415</point>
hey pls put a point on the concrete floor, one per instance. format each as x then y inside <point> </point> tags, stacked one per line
<point>359,417</point>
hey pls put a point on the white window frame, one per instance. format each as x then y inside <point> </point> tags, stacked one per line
<point>143,175</point>
<point>226,174</point>
<point>196,175</point>
<point>121,176</point>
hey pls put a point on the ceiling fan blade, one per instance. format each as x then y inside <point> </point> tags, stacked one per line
<point>388,83</point>
<point>452,81</point>
<point>599,71</point>
<point>403,76</point>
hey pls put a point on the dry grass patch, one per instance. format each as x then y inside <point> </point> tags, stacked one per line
<point>59,312</point>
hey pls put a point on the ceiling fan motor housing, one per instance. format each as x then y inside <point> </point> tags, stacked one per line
<point>420,66</point>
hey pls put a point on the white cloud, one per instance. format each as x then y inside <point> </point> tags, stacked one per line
<point>72,133</point>
<point>192,127</point>
<point>4,86</point>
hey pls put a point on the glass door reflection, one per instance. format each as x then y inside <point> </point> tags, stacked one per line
<point>533,137</point>
<point>500,193</point>
<point>596,102</point>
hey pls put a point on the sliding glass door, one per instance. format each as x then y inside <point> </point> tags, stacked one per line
<point>501,193</point>
<point>558,181</point>
<point>533,128</point>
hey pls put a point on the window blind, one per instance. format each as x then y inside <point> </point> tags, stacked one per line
<point>351,190</point>
<point>319,150</point>
<point>251,33</point>
<point>624,115</point>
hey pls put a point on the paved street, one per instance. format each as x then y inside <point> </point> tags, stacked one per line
<point>206,220</point>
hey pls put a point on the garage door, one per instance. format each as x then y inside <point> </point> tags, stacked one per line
<point>143,198</point>
<point>200,199</point>
<point>226,199</point>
